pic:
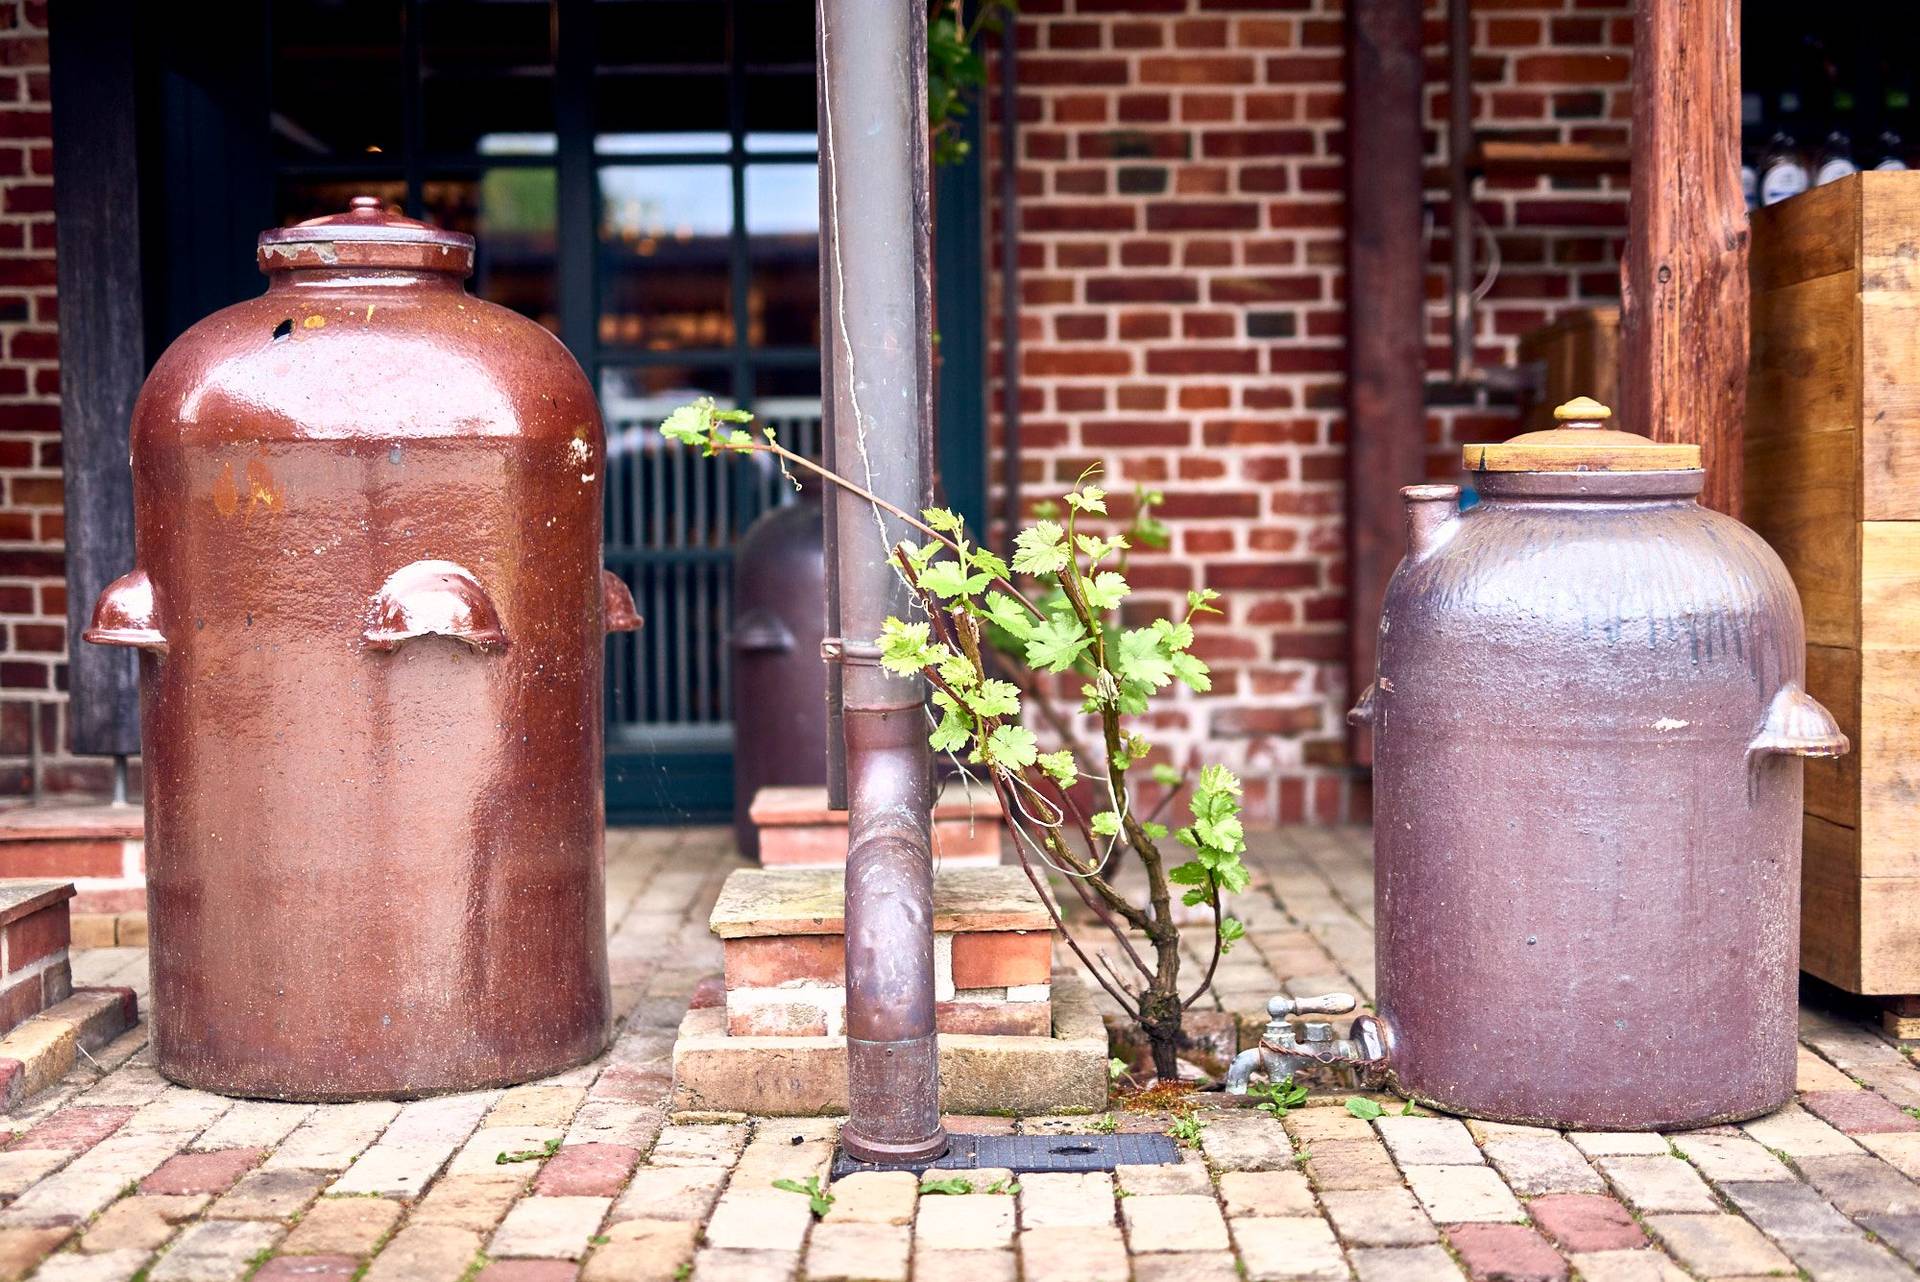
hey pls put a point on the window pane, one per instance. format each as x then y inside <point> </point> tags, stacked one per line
<point>661,32</point>
<point>510,215</point>
<point>664,256</point>
<point>783,230</point>
<point>654,113</point>
<point>776,35</point>
<point>781,111</point>
<point>661,82</point>
<point>787,399</point>
<point>486,71</point>
<point>337,75</point>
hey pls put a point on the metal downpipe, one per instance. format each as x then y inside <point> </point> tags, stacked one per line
<point>875,255</point>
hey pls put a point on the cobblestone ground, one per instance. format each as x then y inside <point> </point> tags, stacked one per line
<point>118,1175</point>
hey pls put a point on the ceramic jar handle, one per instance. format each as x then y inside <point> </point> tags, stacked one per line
<point>434,599</point>
<point>1798,726</point>
<point>761,632</point>
<point>1361,714</point>
<point>616,604</point>
<point>128,614</point>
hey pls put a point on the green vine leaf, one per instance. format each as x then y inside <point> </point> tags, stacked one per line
<point>1059,766</point>
<point>1013,747</point>
<point>1005,612</point>
<point>698,424</point>
<point>1231,933</point>
<point>1105,590</point>
<point>1141,659</point>
<point>1057,643</point>
<point>947,579</point>
<point>987,563</point>
<point>1040,549</point>
<point>1088,498</point>
<point>955,727</point>
<point>995,699</point>
<point>1106,824</point>
<point>906,649</point>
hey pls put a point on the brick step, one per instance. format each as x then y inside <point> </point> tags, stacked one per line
<point>34,938</point>
<point>782,932</point>
<point>44,1021</point>
<point>798,831</point>
<point>1064,1072</point>
<point>101,849</point>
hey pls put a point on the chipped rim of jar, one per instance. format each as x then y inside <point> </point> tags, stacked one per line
<point>366,235</point>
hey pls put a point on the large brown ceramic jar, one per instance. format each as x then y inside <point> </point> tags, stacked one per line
<point>1588,720</point>
<point>371,597</point>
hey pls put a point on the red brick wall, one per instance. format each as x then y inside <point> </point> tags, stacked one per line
<point>1183,312</point>
<point>33,632</point>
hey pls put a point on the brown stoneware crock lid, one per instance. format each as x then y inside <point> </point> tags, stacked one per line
<point>366,235</point>
<point>1582,443</point>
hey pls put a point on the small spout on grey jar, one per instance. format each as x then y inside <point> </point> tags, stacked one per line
<point>1432,512</point>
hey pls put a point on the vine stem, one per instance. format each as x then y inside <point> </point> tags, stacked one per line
<point>860,491</point>
<point>1218,948</point>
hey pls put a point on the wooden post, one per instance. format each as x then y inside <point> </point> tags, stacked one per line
<point>102,343</point>
<point>1386,342</point>
<point>1684,282</point>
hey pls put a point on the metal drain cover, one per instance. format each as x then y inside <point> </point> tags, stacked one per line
<point>1031,1154</point>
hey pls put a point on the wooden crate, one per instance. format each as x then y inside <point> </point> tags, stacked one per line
<point>1833,483</point>
<point>1581,354</point>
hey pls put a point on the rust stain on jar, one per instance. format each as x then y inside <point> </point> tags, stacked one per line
<point>263,491</point>
<point>226,495</point>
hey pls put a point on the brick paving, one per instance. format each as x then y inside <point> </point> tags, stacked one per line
<point>117,1175</point>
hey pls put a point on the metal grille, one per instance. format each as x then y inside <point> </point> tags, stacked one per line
<point>672,518</point>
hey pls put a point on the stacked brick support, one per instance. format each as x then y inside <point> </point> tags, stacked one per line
<point>797,830</point>
<point>1183,311</point>
<point>34,938</point>
<point>783,935</point>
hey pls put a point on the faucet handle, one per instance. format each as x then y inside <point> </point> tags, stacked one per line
<point>1328,1004</point>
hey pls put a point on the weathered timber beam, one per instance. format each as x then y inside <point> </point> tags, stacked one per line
<point>1684,294</point>
<point>1386,343</point>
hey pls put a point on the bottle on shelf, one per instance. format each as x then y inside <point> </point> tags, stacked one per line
<point>1893,145</point>
<point>1752,118</point>
<point>1783,169</point>
<point>1893,152</point>
<point>1835,158</point>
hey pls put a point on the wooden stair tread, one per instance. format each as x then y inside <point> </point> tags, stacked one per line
<point>1497,158</point>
